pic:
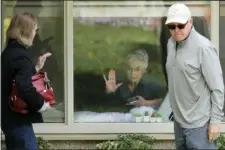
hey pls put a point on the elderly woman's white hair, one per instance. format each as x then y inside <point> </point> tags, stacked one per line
<point>138,55</point>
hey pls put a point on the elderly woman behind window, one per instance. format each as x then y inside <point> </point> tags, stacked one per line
<point>133,87</point>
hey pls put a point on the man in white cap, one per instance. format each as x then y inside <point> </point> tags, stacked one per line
<point>195,82</point>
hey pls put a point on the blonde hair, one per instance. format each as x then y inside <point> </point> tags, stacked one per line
<point>21,28</point>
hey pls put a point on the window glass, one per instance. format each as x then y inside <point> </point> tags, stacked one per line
<point>49,38</point>
<point>122,46</point>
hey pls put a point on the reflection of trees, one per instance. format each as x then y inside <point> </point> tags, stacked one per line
<point>53,26</point>
<point>118,21</point>
<point>99,48</point>
<point>34,7</point>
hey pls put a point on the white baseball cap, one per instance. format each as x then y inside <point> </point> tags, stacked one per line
<point>178,13</point>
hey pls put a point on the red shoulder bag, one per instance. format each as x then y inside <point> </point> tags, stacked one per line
<point>42,84</point>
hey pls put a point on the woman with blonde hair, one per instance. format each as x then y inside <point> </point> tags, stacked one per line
<point>16,64</point>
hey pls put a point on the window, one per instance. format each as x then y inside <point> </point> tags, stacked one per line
<point>115,44</point>
<point>99,37</point>
<point>49,38</point>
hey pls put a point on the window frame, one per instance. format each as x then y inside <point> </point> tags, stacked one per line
<point>215,20</point>
<point>69,129</point>
<point>68,63</point>
<point>1,40</point>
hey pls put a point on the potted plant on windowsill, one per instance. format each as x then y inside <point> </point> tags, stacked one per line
<point>159,118</point>
<point>153,118</point>
<point>138,117</point>
<point>146,117</point>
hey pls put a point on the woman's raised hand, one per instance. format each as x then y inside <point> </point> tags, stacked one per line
<point>41,61</point>
<point>110,84</point>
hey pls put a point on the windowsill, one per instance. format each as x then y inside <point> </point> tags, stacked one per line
<point>56,116</point>
<point>53,116</point>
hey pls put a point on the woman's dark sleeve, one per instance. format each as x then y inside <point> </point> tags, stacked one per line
<point>23,76</point>
<point>114,98</point>
<point>158,90</point>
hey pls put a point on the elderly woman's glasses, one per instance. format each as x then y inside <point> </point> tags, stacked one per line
<point>129,69</point>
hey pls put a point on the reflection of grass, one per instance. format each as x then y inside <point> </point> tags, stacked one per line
<point>102,46</point>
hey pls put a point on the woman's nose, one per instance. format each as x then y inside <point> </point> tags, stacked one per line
<point>132,72</point>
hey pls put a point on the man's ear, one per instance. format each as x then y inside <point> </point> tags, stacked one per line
<point>191,20</point>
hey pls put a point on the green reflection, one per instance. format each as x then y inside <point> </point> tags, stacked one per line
<point>101,47</point>
<point>98,48</point>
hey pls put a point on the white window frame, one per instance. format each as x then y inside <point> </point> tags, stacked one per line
<point>215,18</point>
<point>98,131</point>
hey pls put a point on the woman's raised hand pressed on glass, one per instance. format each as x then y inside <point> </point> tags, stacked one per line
<point>111,85</point>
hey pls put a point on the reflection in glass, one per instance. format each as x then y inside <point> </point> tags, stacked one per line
<point>48,38</point>
<point>130,54</point>
<point>106,82</point>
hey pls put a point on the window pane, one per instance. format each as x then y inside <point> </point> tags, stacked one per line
<point>222,37</point>
<point>105,41</point>
<point>50,24</point>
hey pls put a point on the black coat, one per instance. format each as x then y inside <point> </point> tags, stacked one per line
<point>16,63</point>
